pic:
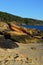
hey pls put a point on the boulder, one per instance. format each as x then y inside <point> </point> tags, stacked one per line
<point>3,26</point>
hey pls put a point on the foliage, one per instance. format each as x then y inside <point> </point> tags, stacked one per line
<point>6,17</point>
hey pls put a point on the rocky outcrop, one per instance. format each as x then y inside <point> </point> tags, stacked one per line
<point>19,34</point>
<point>23,30</point>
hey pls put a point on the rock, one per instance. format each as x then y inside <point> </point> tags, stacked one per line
<point>19,34</point>
<point>3,26</point>
<point>23,30</point>
<point>38,37</point>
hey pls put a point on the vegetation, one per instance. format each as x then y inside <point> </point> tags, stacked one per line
<point>6,17</point>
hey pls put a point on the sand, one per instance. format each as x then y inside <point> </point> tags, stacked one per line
<point>24,54</point>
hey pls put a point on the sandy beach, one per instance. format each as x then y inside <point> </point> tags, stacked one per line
<point>24,54</point>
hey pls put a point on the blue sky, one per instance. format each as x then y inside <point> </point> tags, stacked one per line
<point>23,8</point>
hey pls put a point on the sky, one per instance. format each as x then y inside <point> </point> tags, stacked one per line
<point>23,8</point>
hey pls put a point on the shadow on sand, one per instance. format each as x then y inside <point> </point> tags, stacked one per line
<point>8,44</point>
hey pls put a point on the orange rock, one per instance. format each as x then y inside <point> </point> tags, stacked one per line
<point>17,28</point>
<point>22,30</point>
<point>3,26</point>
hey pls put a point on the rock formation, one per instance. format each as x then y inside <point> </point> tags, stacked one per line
<point>18,33</point>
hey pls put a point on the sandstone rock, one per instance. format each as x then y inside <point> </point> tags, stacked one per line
<point>3,26</point>
<point>19,34</point>
<point>23,30</point>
